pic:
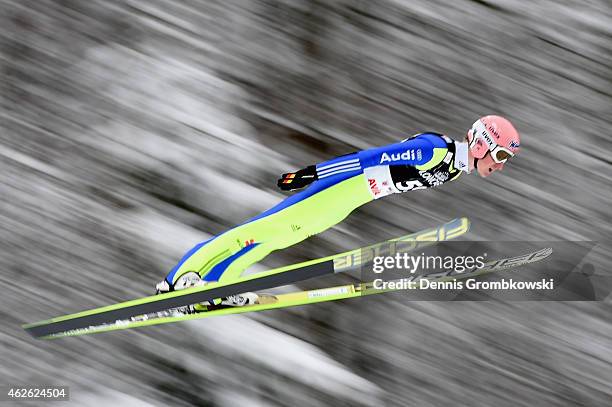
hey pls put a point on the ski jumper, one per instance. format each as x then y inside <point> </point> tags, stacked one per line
<point>342,185</point>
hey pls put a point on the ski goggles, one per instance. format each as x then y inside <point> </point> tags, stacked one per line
<point>499,154</point>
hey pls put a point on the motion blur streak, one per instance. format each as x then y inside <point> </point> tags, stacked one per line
<point>131,130</point>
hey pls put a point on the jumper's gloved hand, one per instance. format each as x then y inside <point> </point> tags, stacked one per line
<point>296,180</point>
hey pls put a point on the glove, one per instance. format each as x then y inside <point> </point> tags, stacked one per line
<point>297,180</point>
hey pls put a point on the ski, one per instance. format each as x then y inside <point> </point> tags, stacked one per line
<point>261,281</point>
<point>306,297</point>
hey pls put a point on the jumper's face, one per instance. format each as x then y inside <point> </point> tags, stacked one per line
<point>487,166</point>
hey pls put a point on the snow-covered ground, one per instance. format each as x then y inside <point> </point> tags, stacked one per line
<point>132,130</point>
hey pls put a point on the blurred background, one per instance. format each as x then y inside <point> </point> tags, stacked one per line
<point>131,130</point>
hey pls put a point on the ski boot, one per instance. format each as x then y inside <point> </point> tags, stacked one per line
<point>193,279</point>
